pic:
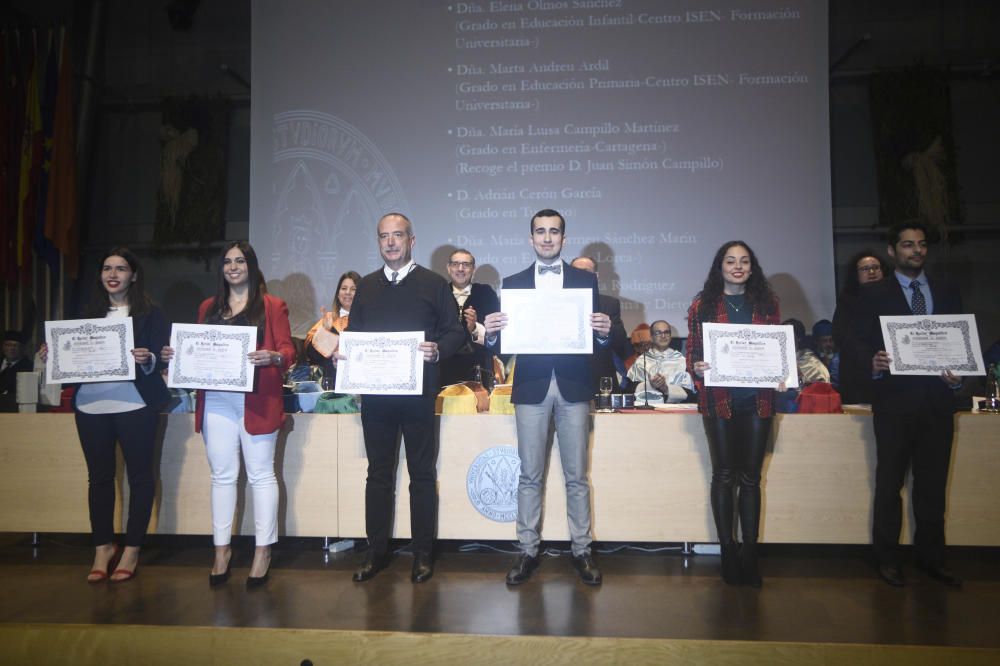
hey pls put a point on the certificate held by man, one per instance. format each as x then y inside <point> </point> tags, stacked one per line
<point>89,350</point>
<point>547,321</point>
<point>212,357</point>
<point>750,355</point>
<point>932,344</point>
<point>381,363</point>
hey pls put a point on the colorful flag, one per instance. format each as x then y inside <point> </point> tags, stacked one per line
<point>31,166</point>
<point>61,214</point>
<point>44,248</point>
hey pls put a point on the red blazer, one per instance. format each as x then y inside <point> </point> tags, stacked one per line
<point>715,400</point>
<point>265,409</point>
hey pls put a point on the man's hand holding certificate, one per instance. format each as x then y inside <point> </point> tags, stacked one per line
<point>547,321</point>
<point>382,363</point>
<point>89,350</point>
<point>750,355</point>
<point>932,345</point>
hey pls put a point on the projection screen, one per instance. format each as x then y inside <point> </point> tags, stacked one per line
<point>659,129</point>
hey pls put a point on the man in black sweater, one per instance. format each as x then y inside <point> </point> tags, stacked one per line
<point>402,296</point>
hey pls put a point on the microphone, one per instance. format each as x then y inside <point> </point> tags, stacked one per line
<point>645,391</point>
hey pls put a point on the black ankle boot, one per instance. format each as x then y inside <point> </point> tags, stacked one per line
<point>731,563</point>
<point>748,565</point>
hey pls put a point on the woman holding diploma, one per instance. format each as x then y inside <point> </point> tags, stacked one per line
<point>126,412</point>
<point>737,420</point>
<point>232,420</point>
<point>334,321</point>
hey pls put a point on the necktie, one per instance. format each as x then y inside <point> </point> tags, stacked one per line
<point>554,268</point>
<point>917,303</point>
<point>395,274</point>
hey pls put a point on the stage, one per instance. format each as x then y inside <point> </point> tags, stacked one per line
<point>819,604</point>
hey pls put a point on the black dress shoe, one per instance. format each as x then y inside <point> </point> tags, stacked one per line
<point>373,564</point>
<point>214,580</point>
<point>423,568</point>
<point>523,567</point>
<point>892,574</point>
<point>942,575</point>
<point>254,582</point>
<point>589,573</point>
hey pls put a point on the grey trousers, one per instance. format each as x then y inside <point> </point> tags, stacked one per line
<point>572,421</point>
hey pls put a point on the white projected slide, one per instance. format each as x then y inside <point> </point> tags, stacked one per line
<point>659,129</point>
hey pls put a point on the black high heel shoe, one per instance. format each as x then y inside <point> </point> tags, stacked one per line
<point>257,581</point>
<point>214,580</point>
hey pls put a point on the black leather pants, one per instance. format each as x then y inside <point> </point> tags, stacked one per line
<point>737,446</point>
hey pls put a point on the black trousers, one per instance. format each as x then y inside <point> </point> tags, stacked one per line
<point>136,432</point>
<point>383,418</point>
<point>921,439</point>
<point>737,446</point>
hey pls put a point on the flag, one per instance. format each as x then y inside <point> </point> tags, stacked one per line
<point>60,211</point>
<point>44,248</point>
<point>6,222</point>
<point>12,158</point>
<point>31,166</point>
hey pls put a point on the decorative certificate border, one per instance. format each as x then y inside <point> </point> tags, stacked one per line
<point>119,327</point>
<point>750,332</point>
<point>897,329</point>
<point>243,383</point>
<point>412,385</point>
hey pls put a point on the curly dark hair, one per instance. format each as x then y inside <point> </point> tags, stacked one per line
<point>257,287</point>
<point>349,275</point>
<point>851,283</point>
<point>758,290</point>
<point>139,302</point>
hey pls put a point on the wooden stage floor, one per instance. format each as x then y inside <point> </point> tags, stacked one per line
<point>811,594</point>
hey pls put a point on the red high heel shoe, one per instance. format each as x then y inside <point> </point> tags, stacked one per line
<point>98,575</point>
<point>127,574</point>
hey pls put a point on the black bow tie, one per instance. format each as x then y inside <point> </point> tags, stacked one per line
<point>554,268</point>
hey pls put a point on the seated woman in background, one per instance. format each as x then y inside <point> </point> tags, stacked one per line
<point>335,321</point>
<point>865,267</point>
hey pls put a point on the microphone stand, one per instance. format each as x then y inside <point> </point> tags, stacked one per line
<point>645,393</point>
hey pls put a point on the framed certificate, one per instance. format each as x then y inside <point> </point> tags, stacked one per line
<point>213,357</point>
<point>750,355</point>
<point>89,350</point>
<point>930,344</point>
<point>547,321</point>
<point>381,363</point>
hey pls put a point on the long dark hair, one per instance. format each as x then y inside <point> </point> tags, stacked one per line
<point>138,300</point>
<point>758,290</point>
<point>851,283</point>
<point>256,287</point>
<point>351,275</point>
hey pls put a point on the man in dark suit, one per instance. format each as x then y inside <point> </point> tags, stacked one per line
<point>402,296</point>
<point>13,363</point>
<point>473,301</point>
<point>913,415</point>
<point>603,360</point>
<point>551,387</point>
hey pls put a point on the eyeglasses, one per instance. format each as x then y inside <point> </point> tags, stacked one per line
<point>873,268</point>
<point>661,333</point>
<point>461,264</point>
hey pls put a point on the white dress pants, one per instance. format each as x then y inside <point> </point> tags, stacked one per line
<point>225,434</point>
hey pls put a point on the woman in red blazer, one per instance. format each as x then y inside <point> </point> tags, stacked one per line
<point>230,421</point>
<point>737,420</point>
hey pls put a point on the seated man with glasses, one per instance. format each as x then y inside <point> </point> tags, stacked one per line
<point>661,372</point>
<point>473,301</point>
